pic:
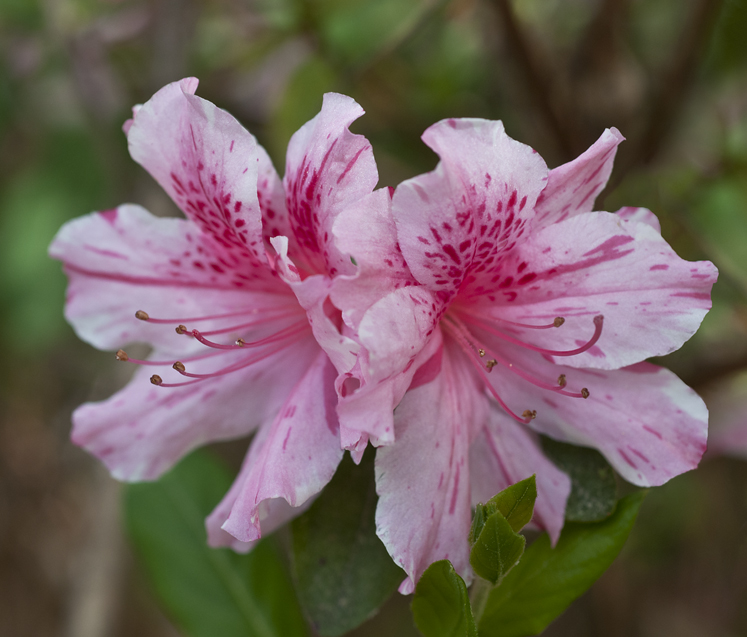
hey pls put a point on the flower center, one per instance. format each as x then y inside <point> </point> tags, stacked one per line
<point>458,328</point>
<point>243,351</point>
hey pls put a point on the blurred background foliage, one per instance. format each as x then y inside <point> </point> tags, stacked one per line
<point>670,74</point>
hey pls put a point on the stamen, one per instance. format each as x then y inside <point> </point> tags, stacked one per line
<point>122,355</point>
<point>481,352</point>
<point>143,316</point>
<point>598,323</point>
<point>490,364</point>
<point>156,380</point>
<point>558,321</point>
<point>584,392</point>
<point>459,333</point>
<point>181,329</point>
<point>561,380</point>
<point>179,366</point>
<point>530,414</point>
<point>288,331</point>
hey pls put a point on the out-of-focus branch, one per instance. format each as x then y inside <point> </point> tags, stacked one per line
<point>671,87</point>
<point>537,79</point>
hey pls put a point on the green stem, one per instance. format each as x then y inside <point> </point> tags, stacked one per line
<point>478,597</point>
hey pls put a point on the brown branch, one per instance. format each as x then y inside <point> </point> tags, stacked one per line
<point>537,79</point>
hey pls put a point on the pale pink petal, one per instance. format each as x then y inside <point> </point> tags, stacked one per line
<point>596,264</point>
<point>573,187</point>
<point>297,455</point>
<point>648,424</point>
<point>207,162</point>
<point>397,335</point>
<point>313,296</point>
<point>273,513</point>
<point>423,514</point>
<point>456,222</point>
<point>143,430</point>
<point>126,260</point>
<point>327,168</point>
<point>641,215</point>
<point>366,232</point>
<point>507,452</point>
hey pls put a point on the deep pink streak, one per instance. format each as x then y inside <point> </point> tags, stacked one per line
<point>452,505</point>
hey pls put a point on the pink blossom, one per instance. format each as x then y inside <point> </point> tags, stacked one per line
<point>235,345</point>
<point>512,308</point>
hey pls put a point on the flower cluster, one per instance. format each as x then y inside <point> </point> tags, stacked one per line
<point>446,322</point>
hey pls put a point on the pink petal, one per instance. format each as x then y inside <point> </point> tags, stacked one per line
<point>648,424</point>
<point>126,260</point>
<point>455,223</point>
<point>595,264</point>
<point>207,163</point>
<point>423,514</point>
<point>642,215</point>
<point>573,187</point>
<point>366,232</point>
<point>297,454</point>
<point>313,296</point>
<point>397,335</point>
<point>327,168</point>
<point>505,453</point>
<point>143,430</point>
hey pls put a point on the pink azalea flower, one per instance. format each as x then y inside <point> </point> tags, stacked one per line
<point>233,348</point>
<point>511,309</point>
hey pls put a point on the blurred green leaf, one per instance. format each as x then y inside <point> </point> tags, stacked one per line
<point>302,101</point>
<point>547,580</point>
<point>440,606</point>
<point>208,591</point>
<point>728,51</point>
<point>593,488</point>
<point>354,31</point>
<point>343,571</point>
<point>497,549</point>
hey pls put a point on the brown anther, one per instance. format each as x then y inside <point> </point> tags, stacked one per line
<point>490,364</point>
<point>559,320</point>
<point>156,379</point>
<point>122,355</point>
<point>181,329</point>
<point>531,414</point>
<point>143,316</point>
<point>179,366</point>
<point>561,380</point>
<point>584,392</point>
<point>481,352</point>
<point>240,342</point>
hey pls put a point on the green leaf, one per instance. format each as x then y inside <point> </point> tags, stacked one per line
<point>343,572</point>
<point>516,504</point>
<point>547,580</point>
<point>207,591</point>
<point>593,488</point>
<point>497,549</point>
<point>441,605</point>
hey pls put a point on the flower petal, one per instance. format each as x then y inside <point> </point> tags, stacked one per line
<point>505,453</point>
<point>423,514</point>
<point>597,264</point>
<point>126,260</point>
<point>642,215</point>
<point>648,424</point>
<point>366,232</point>
<point>297,455</point>
<point>207,163</point>
<point>327,168</point>
<point>143,430</point>
<point>456,222</point>
<point>573,187</point>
